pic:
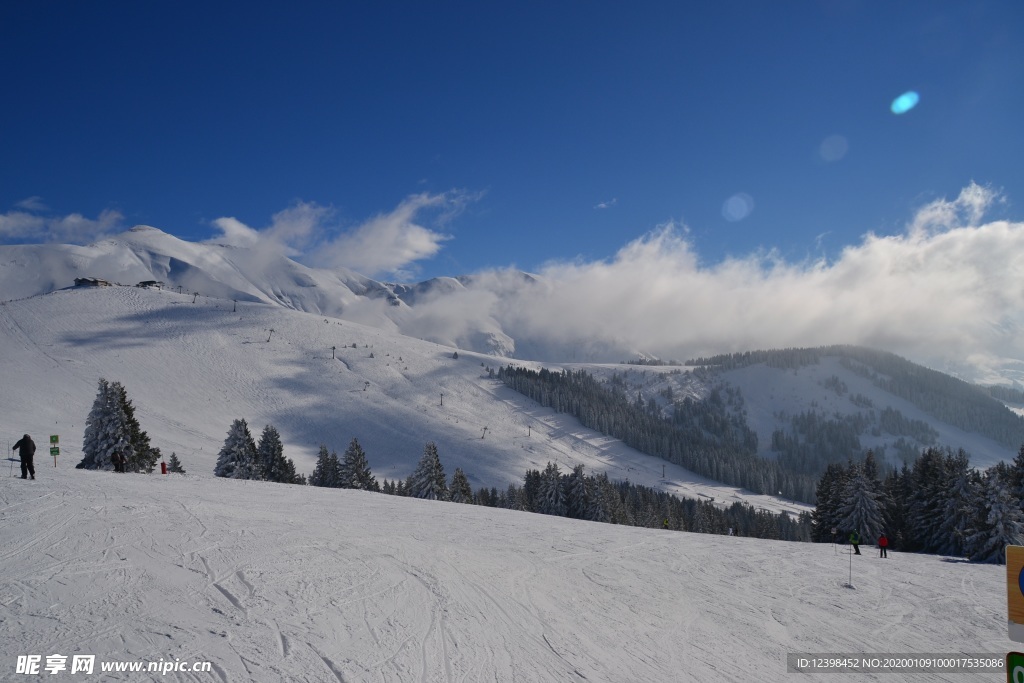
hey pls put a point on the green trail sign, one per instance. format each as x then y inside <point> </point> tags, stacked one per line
<point>1014,667</point>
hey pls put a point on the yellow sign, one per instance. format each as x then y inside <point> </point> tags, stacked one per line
<point>1015,591</point>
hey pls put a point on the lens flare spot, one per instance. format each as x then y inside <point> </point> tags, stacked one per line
<point>737,207</point>
<point>905,102</point>
<point>833,148</point>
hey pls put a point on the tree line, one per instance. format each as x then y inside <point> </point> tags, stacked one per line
<point>576,495</point>
<point>938,505</point>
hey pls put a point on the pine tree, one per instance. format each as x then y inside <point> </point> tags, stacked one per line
<point>861,511</point>
<point>897,494</point>
<point>291,475</point>
<point>830,498</point>
<point>106,429</point>
<point>335,475</point>
<point>577,499</point>
<point>551,495</point>
<point>237,458</point>
<point>142,457</point>
<point>174,465</point>
<point>270,456</point>
<point>1004,524</point>
<point>515,499</point>
<point>355,469</point>
<point>461,491</point>
<point>958,514</point>
<point>326,472</point>
<point>929,486</point>
<point>598,505</point>
<point>428,481</point>
<point>1017,475</point>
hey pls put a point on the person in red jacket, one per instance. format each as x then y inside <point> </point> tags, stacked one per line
<point>883,544</point>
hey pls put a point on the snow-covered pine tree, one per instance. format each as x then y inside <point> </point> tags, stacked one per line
<point>861,511</point>
<point>355,469</point>
<point>428,481</point>
<point>461,491</point>
<point>514,498</point>
<point>174,465</point>
<point>897,494</point>
<point>322,470</point>
<point>958,514</point>
<point>92,438</point>
<point>142,457</point>
<point>237,458</point>
<point>598,505</point>
<point>1017,475</point>
<point>106,429</point>
<point>291,476</point>
<point>930,485</point>
<point>335,475</point>
<point>270,456</point>
<point>1004,523</point>
<point>551,494</point>
<point>830,495</point>
<point>576,494</point>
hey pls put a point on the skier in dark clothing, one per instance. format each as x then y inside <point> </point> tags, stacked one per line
<point>883,545</point>
<point>119,460</point>
<point>26,449</point>
<point>855,542</point>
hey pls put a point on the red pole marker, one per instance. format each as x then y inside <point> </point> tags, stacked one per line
<point>163,468</point>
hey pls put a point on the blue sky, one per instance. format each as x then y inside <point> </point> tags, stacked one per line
<point>506,134</point>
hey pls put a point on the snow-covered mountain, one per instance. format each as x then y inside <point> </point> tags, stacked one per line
<point>255,274</point>
<point>192,365</point>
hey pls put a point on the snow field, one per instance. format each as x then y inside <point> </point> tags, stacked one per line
<point>278,582</point>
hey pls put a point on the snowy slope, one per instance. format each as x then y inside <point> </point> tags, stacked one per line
<point>770,391</point>
<point>771,396</point>
<point>284,583</point>
<point>193,368</point>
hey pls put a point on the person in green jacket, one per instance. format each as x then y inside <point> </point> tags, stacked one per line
<point>855,541</point>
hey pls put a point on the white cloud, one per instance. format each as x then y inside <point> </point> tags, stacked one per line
<point>235,233</point>
<point>33,204</point>
<point>967,209</point>
<point>387,243</point>
<point>73,228</point>
<point>291,230</point>
<point>607,205</point>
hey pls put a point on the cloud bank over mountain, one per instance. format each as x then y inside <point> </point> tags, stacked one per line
<point>945,292</point>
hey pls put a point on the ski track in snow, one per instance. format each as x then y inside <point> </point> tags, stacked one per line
<point>275,582</point>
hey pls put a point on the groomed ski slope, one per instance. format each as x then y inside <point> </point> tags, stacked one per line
<point>271,582</point>
<point>193,365</point>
